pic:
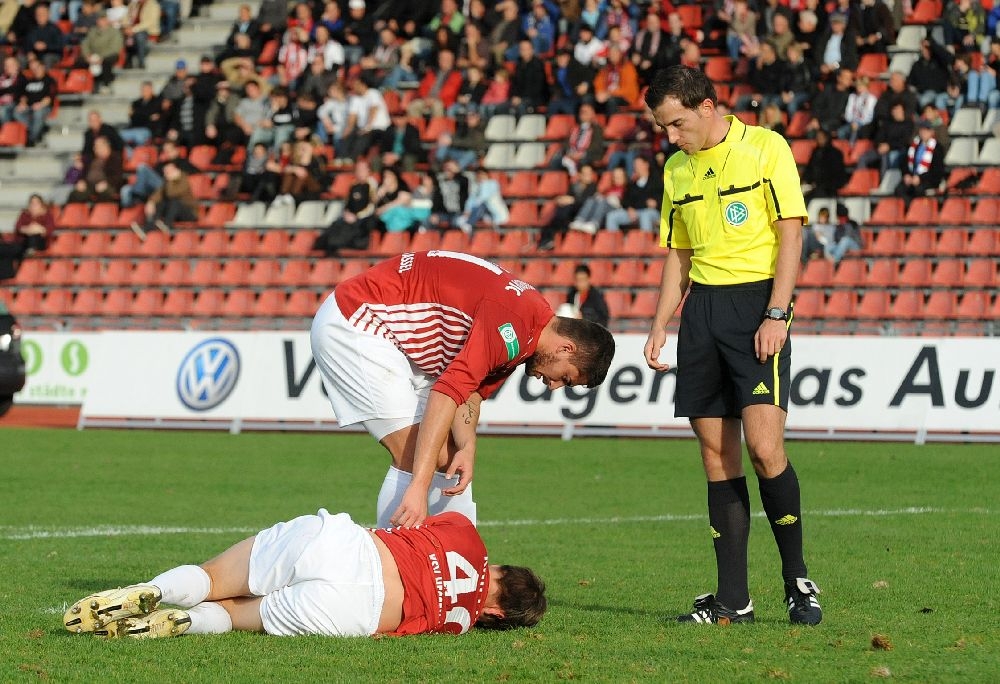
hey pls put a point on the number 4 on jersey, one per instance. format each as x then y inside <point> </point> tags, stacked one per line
<point>456,586</point>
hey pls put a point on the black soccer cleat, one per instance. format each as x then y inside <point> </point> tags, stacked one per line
<point>707,610</point>
<point>803,608</point>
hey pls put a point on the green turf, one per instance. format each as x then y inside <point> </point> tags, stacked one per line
<point>926,581</point>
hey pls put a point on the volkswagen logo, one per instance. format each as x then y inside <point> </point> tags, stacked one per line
<point>208,374</point>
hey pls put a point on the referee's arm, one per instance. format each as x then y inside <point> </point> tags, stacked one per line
<point>673,285</point>
<point>771,335</point>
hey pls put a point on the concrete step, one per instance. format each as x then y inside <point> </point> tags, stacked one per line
<point>114,112</point>
<point>58,141</point>
<point>202,34</point>
<point>227,11</point>
<point>29,169</point>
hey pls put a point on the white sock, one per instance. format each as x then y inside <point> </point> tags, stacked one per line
<point>389,497</point>
<point>185,586</point>
<point>439,503</point>
<point>209,618</point>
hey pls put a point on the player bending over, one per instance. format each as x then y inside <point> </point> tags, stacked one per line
<point>323,574</point>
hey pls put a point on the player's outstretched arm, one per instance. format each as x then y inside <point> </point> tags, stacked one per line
<point>673,285</point>
<point>431,436</point>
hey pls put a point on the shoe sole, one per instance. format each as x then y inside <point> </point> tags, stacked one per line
<point>98,610</point>
<point>160,624</point>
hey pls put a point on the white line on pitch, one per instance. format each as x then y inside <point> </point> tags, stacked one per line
<point>36,532</point>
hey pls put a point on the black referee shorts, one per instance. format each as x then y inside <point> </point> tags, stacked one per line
<point>718,373</point>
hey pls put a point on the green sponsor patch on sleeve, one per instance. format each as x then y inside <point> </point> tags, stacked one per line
<point>510,339</point>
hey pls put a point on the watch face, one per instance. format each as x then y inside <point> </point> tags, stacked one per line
<point>776,314</point>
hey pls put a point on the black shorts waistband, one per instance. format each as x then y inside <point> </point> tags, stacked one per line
<point>756,286</point>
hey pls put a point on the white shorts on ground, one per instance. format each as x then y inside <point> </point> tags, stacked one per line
<point>366,377</point>
<point>317,574</point>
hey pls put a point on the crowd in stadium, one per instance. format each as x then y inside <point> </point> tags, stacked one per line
<point>395,107</point>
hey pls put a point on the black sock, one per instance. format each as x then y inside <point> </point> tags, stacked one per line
<point>782,505</point>
<point>729,515</point>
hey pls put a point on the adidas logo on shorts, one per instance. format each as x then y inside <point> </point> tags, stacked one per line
<point>761,389</point>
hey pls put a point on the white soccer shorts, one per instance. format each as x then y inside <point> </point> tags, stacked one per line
<point>318,574</point>
<point>366,377</point>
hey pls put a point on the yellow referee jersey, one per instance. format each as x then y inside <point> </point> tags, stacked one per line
<point>722,203</point>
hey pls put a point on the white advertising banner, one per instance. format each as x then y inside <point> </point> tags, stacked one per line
<point>838,383</point>
<point>58,367</point>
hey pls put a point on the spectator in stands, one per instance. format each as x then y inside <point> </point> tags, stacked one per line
<point>380,62</point>
<point>36,94</point>
<point>438,88</point>
<point>467,146</point>
<point>585,144</point>
<point>898,91</point>
<point>485,202</point>
<point>171,202</point>
<point>451,191</point>
<point>768,77</point>
<point>878,28</point>
<point>981,84</point>
<point>204,86</point>
<point>144,117</point>
<point>587,301</point>
<point>251,110</point>
<point>817,238</point>
<point>317,79</point>
<point>929,74</point>
<point>597,207</point>
<point>583,186</point>
<point>293,58</point>
<point>272,18</point>
<point>98,128</point>
<point>742,28</point>
<point>399,145</point>
<point>302,18</point>
<point>800,87</point>
<point>117,12</point>
<point>8,10</point>
<point>837,48</point>
<point>616,85</point>
<point>85,20</point>
<point>846,236</point>
<point>640,204</point>
<point>891,141</point>
<point>504,36</point>
<point>528,86</point>
<point>965,25</point>
<point>142,26</point>
<point>325,47</point>
<point>474,49</point>
<point>277,127</point>
<point>781,35</point>
<point>148,179</point>
<point>236,62</point>
<point>34,226</point>
<point>808,32</point>
<point>305,117</point>
<point>367,117</point>
<point>470,94</point>
<point>571,82</point>
<point>653,48</point>
<point>825,173</point>
<point>245,25</point>
<point>10,82</point>
<point>589,50</point>
<point>359,31</point>
<point>410,209</point>
<point>923,166</point>
<point>332,19</point>
<point>100,51</point>
<point>638,141</point>
<point>304,177</point>
<point>252,178</point>
<point>496,100</point>
<point>353,227</point>
<point>103,175</point>
<point>172,92</point>
<point>332,116</point>
<point>538,26</point>
<point>221,127</point>
<point>45,40</point>
<point>933,115</point>
<point>829,105</point>
<point>772,119</point>
<point>859,117</point>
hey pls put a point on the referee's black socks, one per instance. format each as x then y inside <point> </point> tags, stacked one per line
<point>782,505</point>
<point>729,516</point>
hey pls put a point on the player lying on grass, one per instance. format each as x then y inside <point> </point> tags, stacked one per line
<point>323,574</point>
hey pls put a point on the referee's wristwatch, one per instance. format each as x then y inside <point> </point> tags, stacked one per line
<point>776,313</point>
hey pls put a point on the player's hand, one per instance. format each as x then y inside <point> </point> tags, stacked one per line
<point>654,344</point>
<point>461,464</point>
<point>412,509</point>
<point>769,340</point>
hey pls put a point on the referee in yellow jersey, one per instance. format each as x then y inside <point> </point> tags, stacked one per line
<point>732,219</point>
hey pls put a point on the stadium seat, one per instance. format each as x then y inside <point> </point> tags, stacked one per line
<point>554,296</point>
<point>574,243</point>
<point>26,301</point>
<point>973,305</point>
<point>874,305</point>
<point>117,303</point>
<point>915,273</point>
<point>537,272</point>
<point>500,156</point>
<point>103,215</point>
<point>920,241</point>
<point>310,213</point>
<point>965,121</point>
<point>296,272</point>
<point>522,184</point>
<point>925,12</point>
<point>234,272</point>
<point>456,241</point>
<point>248,215</point>
<point>981,273</point>
<point>270,303</point>
<point>87,303</point>
<point>144,154</point>
<point>149,302</point>
<point>529,155</point>
<point>883,273</point>
<point>552,184</point>
<point>719,69</point>
<point>601,271</point>
<point>77,82</point>
<point>908,39</point>
<point>301,242</point>
<point>797,125</point>
<point>887,242</point>
<point>948,273</point>
<point>325,273</point>
<point>808,304</point>
<point>484,243</point>
<point>394,243</point>
<point>619,126</point>
<point>921,211</point>
<point>873,65</point>
<point>240,303</point>
<point>989,155</point>
<point>213,243</point>
<point>273,243</point>
<point>956,211</point>
<point>962,152</point>
<point>940,305</point>
<point>619,303</point>
<point>278,216</point>
<point>841,304</point>
<point>607,243</point>
<point>243,243</point>
<point>524,214</point>
<point>558,127</point>
<point>889,211</point>
<point>208,303</point>
<point>513,243</point>
<point>425,241</point>
<point>13,134</point>
<point>653,274</point>
<point>802,150</point>
<point>982,243</point>
<point>55,302</point>
<point>986,212</point>
<point>851,273</point>
<point>438,126</point>
<point>73,215</point>
<point>174,272</point>
<point>31,272</point>
<point>64,244</point>
<point>639,243</point>
<point>88,273</point>
<point>629,273</point>
<point>887,185</point>
<point>59,272</point>
<point>530,127</point>
<point>644,304</point>
<point>817,273</point>
<point>989,182</point>
<point>95,244</point>
<point>690,16</point>
<point>908,305</point>
<point>302,303</point>
<point>500,127</point>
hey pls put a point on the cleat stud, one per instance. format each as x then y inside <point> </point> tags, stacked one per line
<point>75,610</point>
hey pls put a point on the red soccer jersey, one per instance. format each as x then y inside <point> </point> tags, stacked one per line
<point>445,573</point>
<point>460,318</point>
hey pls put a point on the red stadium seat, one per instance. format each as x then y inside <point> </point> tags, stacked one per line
<point>986,212</point>
<point>302,303</point>
<point>73,215</point>
<point>484,243</point>
<point>883,273</point>
<point>425,241</point>
<point>841,304</point>
<point>619,303</point>
<point>103,215</point>
<point>552,184</point>
<point>219,214</point>
<point>949,273</point>
<point>921,242</point>
<point>149,302</point>
<point>981,273</point>
<point>873,65</point>
<point>808,304</point>
<point>524,214</point>
<point>117,304</point>
<point>59,272</point>
<point>55,302</point>
<point>234,273</point>
<point>719,69</point>
<point>644,304</point>
<point>915,273</point>
<point>240,303</point>
<point>956,211</point>
<point>537,272</point>
<point>861,183</point>
<point>874,305</point>
<point>88,273</point>
<point>890,211</point>
<point>851,273</point>
<point>639,243</point>
<point>437,127</point>
<point>13,134</point>
<point>908,305</point>
<point>394,243</point>
<point>802,149</point>
<point>951,241</point>
<point>87,303</point>
<point>817,273</point>
<point>921,211</point>
<point>271,303</point>
<point>205,273</point>
<point>887,242</point>
<point>243,243</point>
<point>456,241</point>
<point>522,184</point>
<point>558,127</point>
<point>175,273</point>
<point>209,303</point>
<point>619,126</point>
<point>574,243</point>
<point>273,243</point>
<point>95,244</point>
<point>973,305</point>
<point>982,243</point>
<point>940,305</point>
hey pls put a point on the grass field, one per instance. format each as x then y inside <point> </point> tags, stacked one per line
<point>902,540</point>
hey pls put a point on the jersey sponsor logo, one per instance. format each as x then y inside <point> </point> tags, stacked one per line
<point>761,388</point>
<point>786,520</point>
<point>709,174</point>
<point>518,286</point>
<point>737,213</point>
<point>208,374</point>
<point>509,337</point>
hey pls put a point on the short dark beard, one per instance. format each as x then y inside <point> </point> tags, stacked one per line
<point>537,359</point>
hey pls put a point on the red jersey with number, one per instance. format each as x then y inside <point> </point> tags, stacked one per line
<point>445,573</point>
<point>457,317</point>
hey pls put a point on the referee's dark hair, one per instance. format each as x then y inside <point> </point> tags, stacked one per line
<point>595,347</point>
<point>690,86</point>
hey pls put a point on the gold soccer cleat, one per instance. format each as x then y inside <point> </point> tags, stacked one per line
<point>160,624</point>
<point>97,610</point>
